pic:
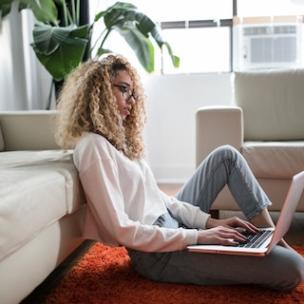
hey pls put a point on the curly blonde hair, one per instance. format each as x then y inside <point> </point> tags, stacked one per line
<point>87,104</point>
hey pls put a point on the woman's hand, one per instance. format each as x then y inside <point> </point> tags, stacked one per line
<point>220,235</point>
<point>225,231</point>
<point>232,222</point>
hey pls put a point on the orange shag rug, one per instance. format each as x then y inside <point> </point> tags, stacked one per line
<point>104,275</point>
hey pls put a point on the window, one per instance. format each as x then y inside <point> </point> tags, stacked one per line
<point>171,10</point>
<point>200,33</point>
<point>203,49</point>
<point>228,35</point>
<point>257,8</point>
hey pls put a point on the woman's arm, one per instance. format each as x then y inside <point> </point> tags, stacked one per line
<point>189,215</point>
<point>106,202</point>
<point>214,231</point>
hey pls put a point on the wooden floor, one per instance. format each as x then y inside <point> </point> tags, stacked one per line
<point>295,235</point>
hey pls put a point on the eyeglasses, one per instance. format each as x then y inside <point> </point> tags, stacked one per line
<point>126,92</point>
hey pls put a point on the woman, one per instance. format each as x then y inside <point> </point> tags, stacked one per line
<point>102,116</point>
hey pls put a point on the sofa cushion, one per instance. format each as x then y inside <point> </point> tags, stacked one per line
<point>28,130</point>
<point>272,103</point>
<point>279,160</point>
<point>36,189</point>
<point>13,159</point>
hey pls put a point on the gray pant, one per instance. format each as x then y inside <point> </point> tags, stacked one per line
<point>281,269</point>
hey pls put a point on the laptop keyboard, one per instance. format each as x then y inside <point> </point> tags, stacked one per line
<point>256,240</point>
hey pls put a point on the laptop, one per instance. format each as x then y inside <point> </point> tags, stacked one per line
<point>262,243</point>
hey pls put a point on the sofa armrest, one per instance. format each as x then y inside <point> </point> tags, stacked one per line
<point>28,130</point>
<point>216,126</point>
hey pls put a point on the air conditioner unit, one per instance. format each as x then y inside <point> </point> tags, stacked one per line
<point>268,46</point>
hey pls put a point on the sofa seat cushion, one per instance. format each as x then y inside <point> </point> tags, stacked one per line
<point>36,189</point>
<point>13,159</point>
<point>273,160</point>
<point>48,160</point>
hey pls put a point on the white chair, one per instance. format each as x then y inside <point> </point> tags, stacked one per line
<point>266,125</point>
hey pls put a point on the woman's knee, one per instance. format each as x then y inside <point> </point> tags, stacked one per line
<point>295,274</point>
<point>290,271</point>
<point>227,152</point>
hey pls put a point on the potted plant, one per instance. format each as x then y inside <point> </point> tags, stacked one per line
<point>61,45</point>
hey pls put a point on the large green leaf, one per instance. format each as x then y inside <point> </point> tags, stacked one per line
<point>159,40</point>
<point>125,17</point>
<point>44,10</point>
<point>102,51</point>
<point>118,12</point>
<point>5,8</point>
<point>60,49</point>
<point>141,45</point>
<point>115,10</point>
<point>175,59</point>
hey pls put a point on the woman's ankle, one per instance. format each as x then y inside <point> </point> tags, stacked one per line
<point>263,219</point>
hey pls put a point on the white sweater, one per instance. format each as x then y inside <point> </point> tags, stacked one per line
<point>124,200</point>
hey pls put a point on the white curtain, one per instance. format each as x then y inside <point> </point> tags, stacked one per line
<point>24,83</point>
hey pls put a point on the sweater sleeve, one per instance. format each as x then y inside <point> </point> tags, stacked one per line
<point>191,216</point>
<point>106,202</point>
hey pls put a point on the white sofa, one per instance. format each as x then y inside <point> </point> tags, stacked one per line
<point>41,203</point>
<point>266,125</point>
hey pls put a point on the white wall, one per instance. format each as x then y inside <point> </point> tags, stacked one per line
<point>12,84</point>
<point>24,82</point>
<point>170,131</point>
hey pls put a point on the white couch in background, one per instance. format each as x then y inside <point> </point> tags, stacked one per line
<point>266,125</point>
<point>41,203</point>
